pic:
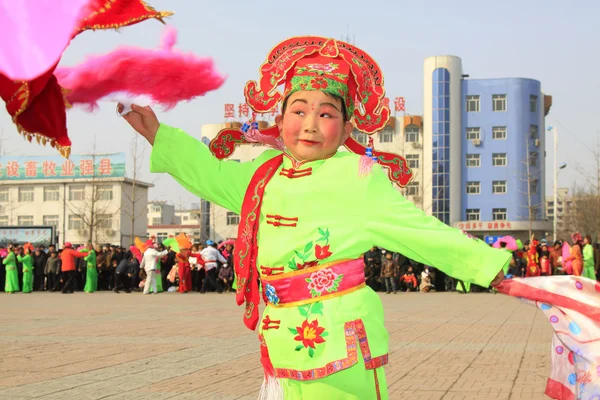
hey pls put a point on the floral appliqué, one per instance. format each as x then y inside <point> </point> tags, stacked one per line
<point>309,334</point>
<point>323,280</point>
<point>302,260</point>
<point>271,294</point>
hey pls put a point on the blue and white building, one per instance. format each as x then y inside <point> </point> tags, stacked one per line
<point>484,148</point>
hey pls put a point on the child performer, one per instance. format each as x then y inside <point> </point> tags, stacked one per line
<point>308,213</point>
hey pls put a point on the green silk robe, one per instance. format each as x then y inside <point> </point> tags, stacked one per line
<point>27,262</point>
<point>11,284</point>
<point>91,273</point>
<point>340,215</point>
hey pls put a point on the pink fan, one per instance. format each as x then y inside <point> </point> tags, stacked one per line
<point>165,76</point>
<point>511,243</point>
<point>136,252</point>
<point>3,253</point>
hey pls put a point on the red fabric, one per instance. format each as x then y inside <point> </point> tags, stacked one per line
<point>67,256</point>
<point>556,390</point>
<point>120,13</point>
<point>315,282</point>
<point>185,278</point>
<point>246,248</point>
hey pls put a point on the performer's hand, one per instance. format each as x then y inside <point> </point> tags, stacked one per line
<point>498,279</point>
<point>143,120</point>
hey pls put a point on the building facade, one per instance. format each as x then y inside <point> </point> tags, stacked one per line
<point>100,210</point>
<point>160,213</point>
<point>485,140</point>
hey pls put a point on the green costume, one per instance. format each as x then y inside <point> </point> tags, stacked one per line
<point>91,275</point>
<point>12,275</point>
<point>588,262</point>
<point>27,262</point>
<point>339,215</point>
<point>158,277</point>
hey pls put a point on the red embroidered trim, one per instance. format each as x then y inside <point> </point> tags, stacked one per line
<point>377,391</point>
<point>354,330</point>
<point>246,247</point>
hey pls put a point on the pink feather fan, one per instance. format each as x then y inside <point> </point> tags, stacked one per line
<point>165,76</point>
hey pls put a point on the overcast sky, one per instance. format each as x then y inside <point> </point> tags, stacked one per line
<point>555,42</point>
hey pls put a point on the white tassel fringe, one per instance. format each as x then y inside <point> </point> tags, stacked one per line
<point>271,389</point>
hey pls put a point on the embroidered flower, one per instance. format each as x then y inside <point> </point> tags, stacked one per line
<point>322,252</point>
<point>319,83</point>
<point>322,67</point>
<point>310,334</point>
<point>323,280</point>
<point>271,294</point>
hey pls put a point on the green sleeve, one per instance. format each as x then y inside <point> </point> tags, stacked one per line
<point>395,224</point>
<point>10,258</point>
<point>91,258</point>
<point>191,163</point>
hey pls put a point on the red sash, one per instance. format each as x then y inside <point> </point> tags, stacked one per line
<point>246,248</point>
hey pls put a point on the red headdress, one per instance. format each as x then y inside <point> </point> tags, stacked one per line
<point>335,67</point>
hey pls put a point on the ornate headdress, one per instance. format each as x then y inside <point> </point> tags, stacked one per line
<point>328,65</point>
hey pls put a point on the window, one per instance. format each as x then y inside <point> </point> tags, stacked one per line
<point>413,160</point>
<point>104,192</point>
<point>104,221</point>
<point>26,193</point>
<point>473,160</point>
<point>499,214</point>
<point>186,217</point>
<point>161,236</point>
<point>75,222</point>
<point>4,195</point>
<point>51,193</point>
<point>76,193</point>
<point>25,220</point>
<point>534,186</point>
<point>473,214</point>
<point>473,103</point>
<point>233,218</point>
<point>473,187</point>
<point>551,204</point>
<point>156,221</point>
<point>156,208</point>
<point>411,133</point>
<point>533,103</point>
<point>473,133</point>
<point>386,136</point>
<point>499,159</point>
<point>360,137</point>
<point>3,220</point>
<point>412,189</point>
<point>533,131</point>
<point>499,132</point>
<point>533,158</point>
<point>498,102</point>
<point>499,187</point>
<point>50,220</point>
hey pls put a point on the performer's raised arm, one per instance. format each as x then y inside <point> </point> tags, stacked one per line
<point>395,224</point>
<point>190,162</point>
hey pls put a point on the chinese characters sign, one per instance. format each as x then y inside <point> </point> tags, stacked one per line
<point>34,235</point>
<point>484,226</point>
<point>56,167</point>
<point>244,112</point>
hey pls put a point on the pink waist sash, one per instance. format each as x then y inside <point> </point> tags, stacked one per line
<point>310,285</point>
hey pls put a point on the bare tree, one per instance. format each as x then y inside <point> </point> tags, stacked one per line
<point>133,212</point>
<point>583,207</point>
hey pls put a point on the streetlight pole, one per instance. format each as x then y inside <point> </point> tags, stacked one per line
<point>555,221</point>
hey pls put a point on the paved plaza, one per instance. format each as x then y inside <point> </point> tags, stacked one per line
<point>192,346</point>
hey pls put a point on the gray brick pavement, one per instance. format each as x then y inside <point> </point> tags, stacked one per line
<point>183,347</point>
